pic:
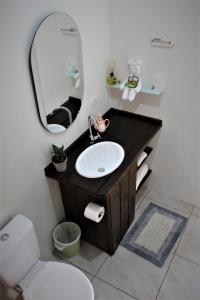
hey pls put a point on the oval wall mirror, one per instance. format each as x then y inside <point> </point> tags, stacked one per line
<point>57,71</point>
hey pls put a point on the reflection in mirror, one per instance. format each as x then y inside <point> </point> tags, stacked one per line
<point>57,72</point>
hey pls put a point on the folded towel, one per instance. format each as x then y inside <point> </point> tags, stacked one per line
<point>141,157</point>
<point>139,86</point>
<point>132,94</point>
<point>125,93</point>
<point>140,174</point>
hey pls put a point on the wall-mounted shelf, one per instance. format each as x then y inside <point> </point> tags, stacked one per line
<point>145,89</point>
<point>151,90</point>
<point>72,74</point>
<point>115,86</point>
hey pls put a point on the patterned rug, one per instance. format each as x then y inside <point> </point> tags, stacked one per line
<point>154,234</point>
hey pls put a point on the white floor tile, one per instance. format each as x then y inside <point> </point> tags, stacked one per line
<point>189,246</point>
<point>162,199</point>
<point>133,274</point>
<point>147,201</point>
<point>89,259</point>
<point>104,291</point>
<point>140,195</point>
<point>89,276</point>
<point>182,281</point>
<point>196,211</point>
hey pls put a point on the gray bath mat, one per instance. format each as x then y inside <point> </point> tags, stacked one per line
<point>154,234</point>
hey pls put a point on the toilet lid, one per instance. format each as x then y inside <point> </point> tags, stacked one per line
<point>59,281</point>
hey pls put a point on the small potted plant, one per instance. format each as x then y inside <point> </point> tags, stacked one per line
<point>59,158</point>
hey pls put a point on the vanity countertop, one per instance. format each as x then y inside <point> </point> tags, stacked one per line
<point>132,131</point>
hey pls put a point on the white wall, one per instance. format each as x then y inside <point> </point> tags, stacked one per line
<point>132,24</point>
<point>25,145</point>
<point>198,100</point>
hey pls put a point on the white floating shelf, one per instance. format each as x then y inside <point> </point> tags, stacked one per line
<point>115,86</point>
<point>151,90</point>
<point>72,74</point>
<point>145,89</point>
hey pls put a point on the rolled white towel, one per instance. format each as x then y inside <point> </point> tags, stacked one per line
<point>132,94</point>
<point>141,157</point>
<point>139,86</point>
<point>125,93</point>
<point>140,174</point>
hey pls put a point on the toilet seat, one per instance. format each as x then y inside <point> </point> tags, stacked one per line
<point>59,281</point>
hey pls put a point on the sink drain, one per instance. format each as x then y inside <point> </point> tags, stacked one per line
<point>101,170</point>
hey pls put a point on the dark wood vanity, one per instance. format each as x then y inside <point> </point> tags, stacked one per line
<point>116,191</point>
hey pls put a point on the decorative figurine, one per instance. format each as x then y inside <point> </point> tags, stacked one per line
<point>111,79</point>
<point>133,84</point>
<point>101,124</point>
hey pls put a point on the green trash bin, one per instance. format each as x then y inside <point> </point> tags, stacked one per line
<point>66,238</point>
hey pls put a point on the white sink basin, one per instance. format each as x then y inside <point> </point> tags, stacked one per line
<point>55,128</point>
<point>99,159</point>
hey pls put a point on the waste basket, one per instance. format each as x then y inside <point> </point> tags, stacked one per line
<point>66,238</point>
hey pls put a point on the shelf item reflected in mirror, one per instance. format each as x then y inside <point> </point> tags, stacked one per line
<point>65,114</point>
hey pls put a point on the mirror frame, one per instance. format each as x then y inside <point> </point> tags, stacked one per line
<point>32,74</point>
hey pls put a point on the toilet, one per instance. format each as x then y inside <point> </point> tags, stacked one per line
<point>39,280</point>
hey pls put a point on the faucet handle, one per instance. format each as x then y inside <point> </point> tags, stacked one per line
<point>98,135</point>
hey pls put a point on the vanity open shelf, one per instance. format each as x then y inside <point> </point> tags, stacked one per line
<point>144,179</point>
<point>148,151</point>
<point>115,191</point>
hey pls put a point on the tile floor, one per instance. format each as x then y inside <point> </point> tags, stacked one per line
<point>126,276</point>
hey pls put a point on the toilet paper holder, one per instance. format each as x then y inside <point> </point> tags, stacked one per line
<point>100,214</point>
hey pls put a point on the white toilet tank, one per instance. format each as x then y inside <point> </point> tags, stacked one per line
<point>19,250</point>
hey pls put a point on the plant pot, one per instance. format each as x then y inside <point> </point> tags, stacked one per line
<point>60,167</point>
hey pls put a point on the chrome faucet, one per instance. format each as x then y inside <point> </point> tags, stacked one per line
<point>92,121</point>
<point>67,111</point>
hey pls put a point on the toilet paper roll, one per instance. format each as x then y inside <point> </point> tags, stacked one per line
<point>94,212</point>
